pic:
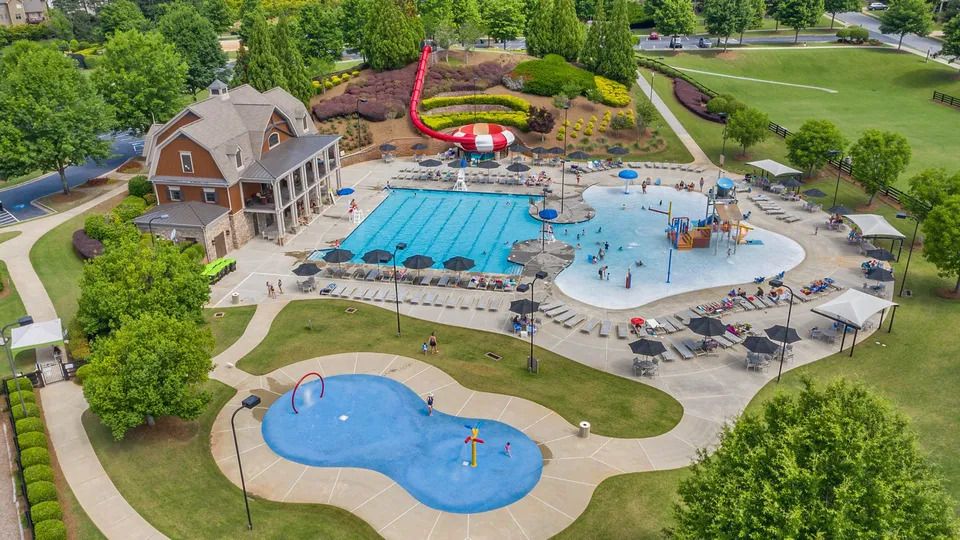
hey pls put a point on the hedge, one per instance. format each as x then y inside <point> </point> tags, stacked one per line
<point>45,510</point>
<point>34,456</point>
<point>51,529</point>
<point>657,65</point>
<point>33,439</point>
<point>38,473</point>
<point>20,383</point>
<point>611,92</point>
<point>26,395</point>
<point>547,76</point>
<point>504,100</point>
<point>139,186</point>
<point>41,491</point>
<point>32,410</point>
<point>130,208</point>
<point>444,121</point>
<point>29,425</point>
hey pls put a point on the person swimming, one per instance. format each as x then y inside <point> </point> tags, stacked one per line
<point>639,263</point>
<point>620,248</point>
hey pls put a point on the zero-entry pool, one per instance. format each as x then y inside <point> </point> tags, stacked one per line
<point>380,424</point>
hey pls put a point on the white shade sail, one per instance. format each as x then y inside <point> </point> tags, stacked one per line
<point>773,167</point>
<point>32,336</point>
<point>874,226</point>
<point>853,307</point>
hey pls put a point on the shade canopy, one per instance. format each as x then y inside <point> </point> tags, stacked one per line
<point>627,174</point>
<point>524,307</point>
<point>881,254</point>
<point>578,156</point>
<point>548,213</point>
<point>459,264</point>
<point>556,150</point>
<point>760,345</point>
<point>782,334</point>
<point>377,256</point>
<point>880,274</point>
<point>306,269</point>
<point>853,307</point>
<point>839,209</point>
<point>458,164</point>
<point>338,255</point>
<point>418,262</point>
<point>539,150</point>
<point>419,146</point>
<point>518,147</point>
<point>387,147</point>
<point>647,347</point>
<point>707,326</point>
<point>430,163</point>
<point>518,167</point>
<point>38,334</point>
<point>874,226</point>
<point>791,183</point>
<point>773,167</point>
<point>489,164</point>
<point>618,150</point>
<point>815,193</point>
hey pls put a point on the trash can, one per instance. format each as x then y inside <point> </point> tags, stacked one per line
<point>235,298</point>
<point>584,429</point>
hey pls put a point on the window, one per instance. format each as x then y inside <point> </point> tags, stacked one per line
<point>174,192</point>
<point>239,158</point>
<point>273,140</point>
<point>186,162</point>
<point>305,128</point>
<point>209,195</point>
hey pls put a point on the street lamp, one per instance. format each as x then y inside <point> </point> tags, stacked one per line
<point>836,190</point>
<point>153,239</point>
<point>723,148</point>
<point>783,350</point>
<point>901,215</point>
<point>248,402</point>
<point>359,139</point>
<point>396,288</point>
<point>563,161</point>
<point>532,363</point>
<point>26,320</point>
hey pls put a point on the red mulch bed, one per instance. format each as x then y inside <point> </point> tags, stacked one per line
<point>694,100</point>
<point>86,247</point>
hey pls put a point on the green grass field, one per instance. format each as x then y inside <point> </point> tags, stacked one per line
<point>11,309</point>
<point>875,88</point>
<point>8,236</point>
<point>229,327</point>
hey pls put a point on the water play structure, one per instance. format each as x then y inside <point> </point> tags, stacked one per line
<point>479,137</point>
<point>473,439</point>
<point>293,395</point>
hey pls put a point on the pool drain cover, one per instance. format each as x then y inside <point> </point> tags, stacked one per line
<point>493,356</point>
<point>219,315</point>
<point>350,310</point>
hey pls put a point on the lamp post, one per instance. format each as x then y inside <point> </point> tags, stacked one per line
<point>783,350</point>
<point>475,79</point>
<point>248,402</point>
<point>836,190</point>
<point>26,320</point>
<point>531,363</point>
<point>396,288</point>
<point>359,140</point>
<point>723,146</point>
<point>153,239</point>
<point>652,75</point>
<point>563,177</point>
<point>566,109</point>
<point>901,215</point>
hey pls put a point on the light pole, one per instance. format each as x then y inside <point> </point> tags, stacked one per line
<point>359,139</point>
<point>248,402</point>
<point>396,288</point>
<point>652,75</point>
<point>783,350</point>
<point>26,320</point>
<point>566,109</point>
<point>836,190</point>
<point>531,363</point>
<point>153,239</point>
<point>475,79</point>
<point>563,178</point>
<point>723,146</point>
<point>903,281</point>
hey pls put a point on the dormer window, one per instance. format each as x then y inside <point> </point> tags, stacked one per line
<point>186,162</point>
<point>273,139</point>
<point>239,158</point>
<point>305,128</point>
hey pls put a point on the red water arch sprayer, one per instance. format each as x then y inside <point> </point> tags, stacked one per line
<point>293,396</point>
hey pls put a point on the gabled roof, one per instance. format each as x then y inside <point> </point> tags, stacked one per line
<point>853,307</point>
<point>773,167</point>
<point>183,214</point>
<point>874,226</point>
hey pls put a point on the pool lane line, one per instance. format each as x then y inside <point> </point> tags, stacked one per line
<point>389,219</point>
<point>480,231</point>
<point>502,227</point>
<point>416,211</point>
<point>425,231</point>
<point>447,250</point>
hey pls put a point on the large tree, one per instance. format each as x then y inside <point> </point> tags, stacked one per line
<point>748,126</point>
<point>120,16</point>
<point>218,13</point>
<point>904,17</point>
<point>720,18</point>
<point>830,462</point>
<point>878,158</point>
<point>391,39</point>
<point>839,6</point>
<point>154,365</point>
<point>593,50</point>
<point>352,21</point>
<point>142,77</point>
<point>618,61</point>
<point>263,69</point>
<point>799,14</point>
<point>567,29</point>
<point>322,34</point>
<point>470,26</point>
<point>951,38</point>
<point>675,17</point>
<point>809,147</point>
<point>930,188</point>
<point>432,13</point>
<point>504,19</point>
<point>195,39</point>
<point>131,278</point>
<point>539,33</point>
<point>52,114</point>
<point>295,76</point>
<point>941,233</point>
<point>540,120</point>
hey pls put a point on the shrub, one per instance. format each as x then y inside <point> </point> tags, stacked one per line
<point>38,473</point>
<point>559,136</point>
<point>20,383</point>
<point>588,132</point>
<point>150,199</point>
<point>81,373</point>
<point>45,510</point>
<point>843,34</point>
<point>443,121</point>
<point>41,491</point>
<point>130,208</point>
<point>345,77</point>
<point>504,100</point>
<point>335,80</point>
<point>611,92</point>
<point>717,105</point>
<point>34,456</point>
<point>355,72</point>
<point>572,89</point>
<point>32,440</point>
<point>327,84</point>
<point>51,529</point>
<point>139,186</point>
<point>623,121</point>
<point>548,76</point>
<point>195,252</point>
<point>859,34</point>
<point>29,425</point>
<point>26,395</point>
<point>96,226</point>
<point>594,95</point>
<point>32,411</point>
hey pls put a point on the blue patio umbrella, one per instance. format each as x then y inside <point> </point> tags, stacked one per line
<point>458,164</point>
<point>548,213</point>
<point>344,191</point>
<point>628,174</point>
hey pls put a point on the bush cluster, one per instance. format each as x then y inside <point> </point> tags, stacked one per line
<point>504,100</point>
<point>26,395</point>
<point>41,491</point>
<point>675,74</point>
<point>32,411</point>
<point>624,120</point>
<point>37,473</point>
<point>724,103</point>
<point>854,34</point>
<point>29,425</point>
<point>693,99</point>
<point>34,456</point>
<point>32,440</point>
<point>19,383</point>
<point>444,121</point>
<point>130,207</point>
<point>46,510</point>
<point>51,529</point>
<point>139,186</point>
<point>548,76</point>
<point>611,92</point>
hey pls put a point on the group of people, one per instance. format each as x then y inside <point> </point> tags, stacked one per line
<point>271,291</point>
<point>524,322</point>
<point>688,186</point>
<point>541,179</point>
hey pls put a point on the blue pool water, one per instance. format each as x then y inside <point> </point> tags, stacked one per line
<point>380,424</point>
<point>444,224</point>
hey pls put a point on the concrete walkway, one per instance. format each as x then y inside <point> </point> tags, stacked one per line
<point>699,156</point>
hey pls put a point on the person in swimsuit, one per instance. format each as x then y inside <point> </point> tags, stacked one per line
<point>430,404</point>
<point>433,343</point>
<point>506,449</point>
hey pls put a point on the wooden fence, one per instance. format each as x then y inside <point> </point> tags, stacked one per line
<point>946,99</point>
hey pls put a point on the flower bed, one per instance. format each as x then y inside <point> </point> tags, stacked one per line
<point>444,121</point>
<point>504,100</point>
<point>612,93</point>
<point>694,100</point>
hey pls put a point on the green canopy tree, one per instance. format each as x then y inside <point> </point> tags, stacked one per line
<point>445,35</point>
<point>951,38</point>
<point>60,24</point>
<point>675,17</point>
<point>504,19</point>
<point>295,75</point>
<point>749,15</point>
<point>142,77</point>
<point>618,61</point>
<point>322,34</point>
<point>433,13</point>
<point>131,278</point>
<point>799,14</point>
<point>930,188</point>
<point>153,365</point>
<point>218,13</point>
<point>391,39</point>
<point>195,39</point>
<point>829,462</point>
<point>470,26</point>
<point>839,6</point>
<point>352,21</point>
<point>81,14</point>
<point>878,158</point>
<point>539,31</point>
<point>263,69</point>
<point>568,31</point>
<point>720,18</point>
<point>120,16</point>
<point>592,54</point>
<point>53,115</point>
<point>904,17</point>
<point>808,148</point>
<point>941,233</point>
<point>748,126</point>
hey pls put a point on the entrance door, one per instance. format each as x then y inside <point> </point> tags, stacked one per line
<point>220,245</point>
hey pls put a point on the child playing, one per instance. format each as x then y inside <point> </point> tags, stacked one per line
<point>506,449</point>
<point>423,348</point>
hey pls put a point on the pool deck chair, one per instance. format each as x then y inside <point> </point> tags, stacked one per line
<point>556,311</point>
<point>444,281</point>
<point>413,298</point>
<point>328,290</point>
<point>390,297</point>
<point>468,302</point>
<point>623,331</point>
<point>565,317</point>
<point>735,339</point>
<point>684,351</point>
<point>494,304</point>
<point>428,298</point>
<point>605,328</point>
<point>452,301</point>
<point>552,305</point>
<point>669,355</point>
<point>346,292</point>
<point>571,323</point>
<point>369,294</point>
<point>378,296</point>
<point>373,275</point>
<point>441,299</point>
<point>591,324</point>
<point>359,293</point>
<point>481,304</point>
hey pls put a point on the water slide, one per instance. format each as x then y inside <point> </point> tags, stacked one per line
<point>480,137</point>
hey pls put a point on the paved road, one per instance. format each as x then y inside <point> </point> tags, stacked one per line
<point>921,44</point>
<point>690,42</point>
<point>16,200</point>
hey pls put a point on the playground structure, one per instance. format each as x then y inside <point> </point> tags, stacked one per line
<point>293,395</point>
<point>473,439</point>
<point>682,236</point>
<point>475,138</point>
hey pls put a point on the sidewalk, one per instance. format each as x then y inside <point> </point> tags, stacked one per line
<point>699,156</point>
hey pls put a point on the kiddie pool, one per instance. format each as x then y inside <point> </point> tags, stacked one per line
<point>380,424</point>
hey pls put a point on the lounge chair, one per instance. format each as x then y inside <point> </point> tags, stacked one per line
<point>328,290</point>
<point>452,301</point>
<point>684,351</point>
<point>368,295</point>
<point>494,304</point>
<point>669,355</point>
<point>551,305</point>
<point>373,275</point>
<point>734,338</point>
<point>591,324</point>
<point>359,293</point>
<point>468,302</point>
<point>444,280</point>
<point>428,298</point>
<point>413,298</point>
<point>566,317</point>
<point>605,327</point>
<point>571,323</point>
<point>556,311</point>
<point>390,297</point>
<point>378,296</point>
<point>623,330</point>
<point>441,299</point>
<point>347,292</point>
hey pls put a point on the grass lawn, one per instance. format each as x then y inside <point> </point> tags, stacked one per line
<point>8,236</point>
<point>876,88</point>
<point>228,328</point>
<point>675,151</point>
<point>58,202</point>
<point>169,476</point>
<point>10,182</point>
<point>11,309</point>
<point>615,406</point>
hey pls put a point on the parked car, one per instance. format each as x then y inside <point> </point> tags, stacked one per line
<point>704,43</point>
<point>876,6</point>
<point>653,36</point>
<point>675,43</point>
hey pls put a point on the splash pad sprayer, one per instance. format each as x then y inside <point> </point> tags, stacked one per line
<point>473,439</point>
<point>293,396</point>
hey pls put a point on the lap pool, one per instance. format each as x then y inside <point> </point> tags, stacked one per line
<point>380,424</point>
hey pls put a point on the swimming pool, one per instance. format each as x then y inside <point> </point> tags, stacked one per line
<point>624,220</point>
<point>444,224</point>
<point>377,423</point>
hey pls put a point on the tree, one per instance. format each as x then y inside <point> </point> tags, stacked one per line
<point>839,6</point>
<point>541,121</point>
<point>433,13</point>
<point>352,21</point>
<point>593,51</point>
<point>54,114</point>
<point>675,17</point>
<point>470,26</point>
<point>878,158</point>
<point>445,35</point>
<point>904,17</point>
<point>152,9</point>
<point>646,113</point>
<point>808,148</point>
<point>749,15</point>
<point>618,61</point>
<point>799,14</point>
<point>120,16</point>
<point>930,188</point>
<point>195,39</point>
<point>567,29</point>
<point>154,365</point>
<point>951,38</point>
<point>539,31</point>
<point>218,13</point>
<point>132,278</point>
<point>295,76</point>
<point>748,127</point>
<point>142,77</point>
<point>391,39</point>
<point>941,233</point>
<point>81,14</point>
<point>322,34</point>
<point>504,19</point>
<point>830,462</point>
<point>263,69</point>
<point>720,18</point>
<point>60,25</point>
